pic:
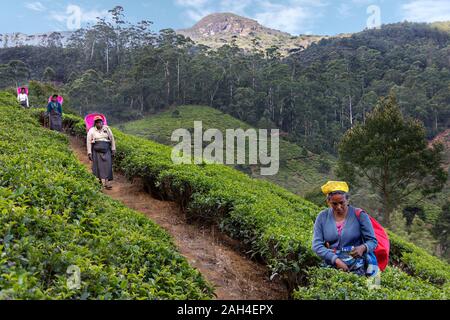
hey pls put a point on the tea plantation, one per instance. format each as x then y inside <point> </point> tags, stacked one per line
<point>53,215</point>
<point>53,193</point>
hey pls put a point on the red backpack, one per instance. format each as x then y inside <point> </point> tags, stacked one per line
<point>382,249</point>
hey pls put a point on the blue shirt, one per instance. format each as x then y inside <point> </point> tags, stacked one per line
<point>355,233</point>
<point>56,106</point>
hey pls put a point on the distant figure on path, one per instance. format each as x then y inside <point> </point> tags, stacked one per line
<point>54,112</point>
<point>22,97</point>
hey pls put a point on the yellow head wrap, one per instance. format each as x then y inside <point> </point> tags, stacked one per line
<point>332,186</point>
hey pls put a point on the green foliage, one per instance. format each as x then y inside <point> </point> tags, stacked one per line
<point>298,168</point>
<point>39,93</point>
<point>442,227</point>
<point>273,223</point>
<point>417,262</point>
<point>14,73</point>
<point>391,153</point>
<point>332,284</point>
<point>49,74</point>
<point>53,215</point>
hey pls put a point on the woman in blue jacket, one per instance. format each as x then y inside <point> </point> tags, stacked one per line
<point>342,239</point>
<point>54,111</point>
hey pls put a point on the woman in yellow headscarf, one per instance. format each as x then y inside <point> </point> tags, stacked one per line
<point>342,239</point>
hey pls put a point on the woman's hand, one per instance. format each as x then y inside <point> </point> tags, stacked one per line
<point>90,157</point>
<point>341,265</point>
<point>113,153</point>
<point>358,251</point>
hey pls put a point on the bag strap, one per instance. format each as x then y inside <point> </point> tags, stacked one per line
<point>108,131</point>
<point>358,212</point>
<point>358,216</point>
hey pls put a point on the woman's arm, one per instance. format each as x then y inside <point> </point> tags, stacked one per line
<point>113,141</point>
<point>367,232</point>
<point>89,142</point>
<point>319,242</point>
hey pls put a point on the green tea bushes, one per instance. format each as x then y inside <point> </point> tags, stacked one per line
<point>53,217</point>
<point>418,262</point>
<point>332,284</point>
<point>275,225</point>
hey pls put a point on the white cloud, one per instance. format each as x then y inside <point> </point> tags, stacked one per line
<point>426,10</point>
<point>195,9</point>
<point>35,6</point>
<point>294,17</point>
<point>235,6</point>
<point>192,3</point>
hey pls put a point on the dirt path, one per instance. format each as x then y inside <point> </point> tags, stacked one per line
<point>234,276</point>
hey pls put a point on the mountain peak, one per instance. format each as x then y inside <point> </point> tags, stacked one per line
<point>226,23</point>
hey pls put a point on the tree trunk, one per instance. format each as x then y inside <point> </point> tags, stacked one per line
<point>178,80</point>
<point>436,120</point>
<point>350,111</point>
<point>92,50</point>
<point>167,82</point>
<point>107,59</point>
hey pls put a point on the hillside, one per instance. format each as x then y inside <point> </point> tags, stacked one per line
<point>300,170</point>
<point>52,200</point>
<point>53,218</point>
<point>302,175</point>
<point>218,29</point>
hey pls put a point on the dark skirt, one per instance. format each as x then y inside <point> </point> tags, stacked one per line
<point>102,160</point>
<point>56,122</point>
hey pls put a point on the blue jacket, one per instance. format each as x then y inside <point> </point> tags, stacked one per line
<point>54,106</point>
<point>355,233</point>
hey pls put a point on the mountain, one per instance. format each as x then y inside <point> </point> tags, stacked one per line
<point>18,39</point>
<point>218,29</point>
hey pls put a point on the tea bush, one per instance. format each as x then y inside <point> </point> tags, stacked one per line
<point>274,224</point>
<point>53,215</point>
<point>332,284</point>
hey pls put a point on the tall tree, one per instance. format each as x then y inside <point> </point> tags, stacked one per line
<point>392,154</point>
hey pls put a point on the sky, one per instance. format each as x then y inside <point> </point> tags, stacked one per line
<point>321,17</point>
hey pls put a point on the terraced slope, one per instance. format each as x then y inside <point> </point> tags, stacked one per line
<point>274,224</point>
<point>53,216</point>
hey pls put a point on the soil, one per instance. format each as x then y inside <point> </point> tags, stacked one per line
<point>217,257</point>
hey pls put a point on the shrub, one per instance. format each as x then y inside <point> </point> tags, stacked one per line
<point>332,284</point>
<point>53,215</point>
<point>274,224</point>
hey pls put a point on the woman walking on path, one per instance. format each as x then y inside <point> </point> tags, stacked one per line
<point>22,97</point>
<point>101,149</point>
<point>54,111</point>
